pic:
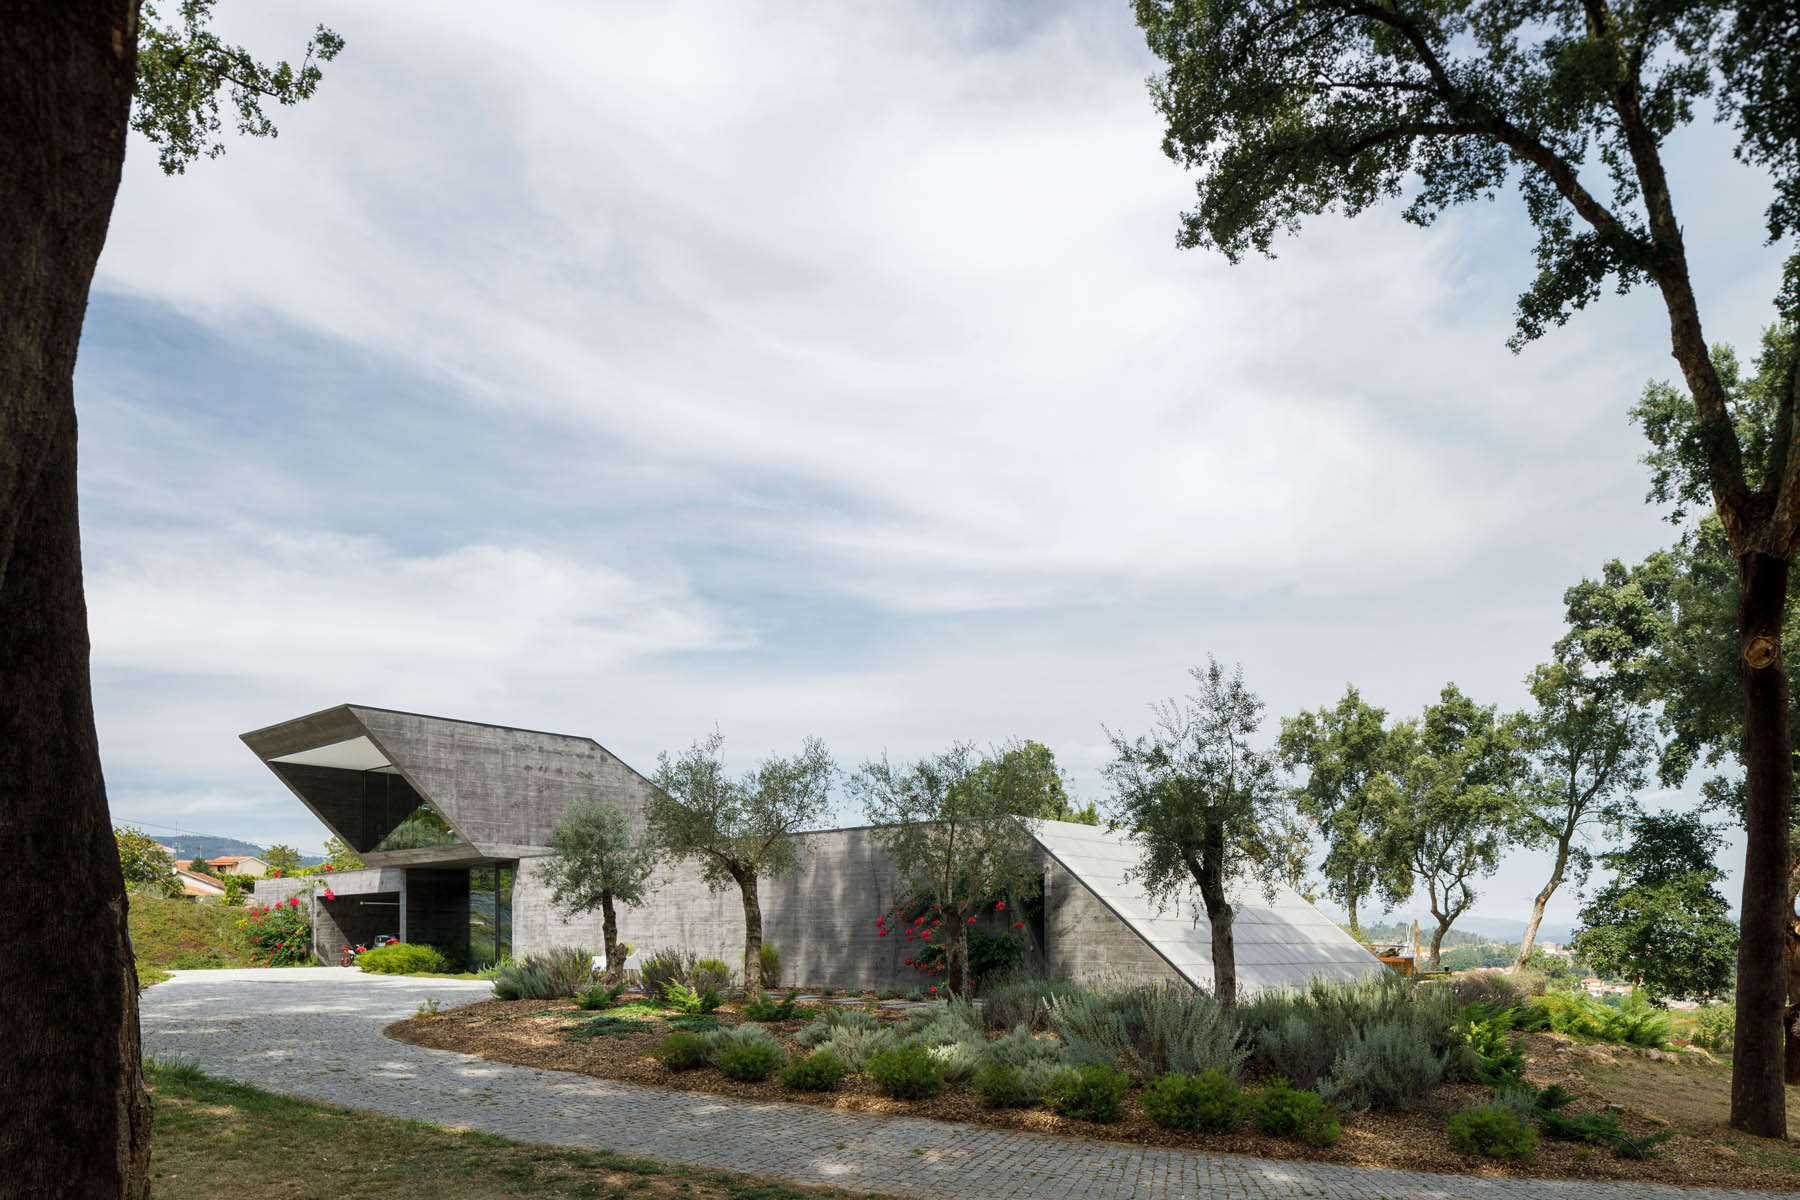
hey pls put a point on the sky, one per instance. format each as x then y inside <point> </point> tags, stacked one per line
<point>629,370</point>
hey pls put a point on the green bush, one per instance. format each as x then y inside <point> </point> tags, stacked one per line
<point>819,1071</point>
<point>761,1008</point>
<point>1020,1049</point>
<point>1017,1000</point>
<point>1003,1085</point>
<point>957,1061</point>
<point>770,958</point>
<point>686,1000</point>
<point>681,1051</point>
<point>709,974</point>
<point>855,1045</point>
<point>1156,1029</point>
<point>1493,1130</point>
<point>402,958</point>
<point>1210,1102</point>
<point>1488,1030</point>
<point>599,997</point>
<point>1714,1027</point>
<point>1298,1034</point>
<point>906,1073</point>
<point>552,975</point>
<point>1632,1022</point>
<point>748,1062</point>
<point>831,1019</point>
<point>1297,1048</point>
<point>608,1025</point>
<point>660,967</point>
<point>280,936</point>
<point>1092,1093</point>
<point>1488,985</point>
<point>1294,1113</point>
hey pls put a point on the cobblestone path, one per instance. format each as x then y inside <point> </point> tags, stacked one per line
<point>316,1033</point>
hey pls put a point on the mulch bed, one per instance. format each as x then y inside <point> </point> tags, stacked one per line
<point>533,1033</point>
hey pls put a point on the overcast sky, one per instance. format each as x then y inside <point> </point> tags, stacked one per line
<point>823,369</point>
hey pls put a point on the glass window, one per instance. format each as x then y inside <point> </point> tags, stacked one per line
<point>490,914</point>
<point>420,827</point>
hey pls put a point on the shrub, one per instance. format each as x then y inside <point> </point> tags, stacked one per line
<point>906,1073</point>
<point>1210,1102</point>
<point>599,997</point>
<point>608,1025</point>
<point>1003,1085</point>
<point>1488,1030</point>
<point>686,1000</point>
<point>856,1044</point>
<point>748,1059</point>
<point>817,1072</point>
<point>957,1060</point>
<point>1293,1033</point>
<point>761,1008</point>
<point>1633,1022</point>
<point>1714,1027</point>
<point>1021,1000</point>
<point>1600,1128</point>
<point>402,958</point>
<point>659,968</point>
<point>681,1051</point>
<point>1492,1130</point>
<point>831,1019</point>
<point>280,936</point>
<point>1488,985</point>
<point>564,971</point>
<point>1020,1049</point>
<point>1294,1113</point>
<point>770,958</point>
<point>709,974</point>
<point>1092,1093</point>
<point>1157,1029</point>
<point>1297,1049</point>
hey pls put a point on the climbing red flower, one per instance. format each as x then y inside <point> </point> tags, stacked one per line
<point>1000,907</point>
<point>971,920</point>
<point>1018,924</point>
<point>330,895</point>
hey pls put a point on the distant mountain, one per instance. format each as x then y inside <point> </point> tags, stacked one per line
<point>186,846</point>
<point>1469,931</point>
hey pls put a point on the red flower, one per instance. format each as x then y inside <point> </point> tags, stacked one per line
<point>275,874</point>
<point>330,895</point>
<point>293,902</point>
<point>881,933</point>
<point>934,988</point>
<point>1000,907</point>
<point>971,920</point>
<point>1018,924</point>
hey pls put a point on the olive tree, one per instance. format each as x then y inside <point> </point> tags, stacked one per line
<point>1197,797</point>
<point>598,861</point>
<point>741,830</point>
<point>1287,109</point>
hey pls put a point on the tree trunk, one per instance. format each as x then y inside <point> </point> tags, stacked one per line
<point>1793,964</point>
<point>1350,909</point>
<point>1542,902</point>
<point>76,1121</point>
<point>956,956</point>
<point>752,935</point>
<point>1209,873</point>
<point>609,932</point>
<point>1758,1099</point>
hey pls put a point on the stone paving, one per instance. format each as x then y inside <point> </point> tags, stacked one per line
<point>316,1033</point>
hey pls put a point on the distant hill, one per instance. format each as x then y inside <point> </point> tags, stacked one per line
<point>1469,931</point>
<point>187,846</point>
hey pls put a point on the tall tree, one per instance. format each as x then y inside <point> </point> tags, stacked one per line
<point>598,861</point>
<point>282,858</point>
<point>1289,109</point>
<point>339,856</point>
<point>146,866</point>
<point>1346,751</point>
<point>1453,805</point>
<point>741,830</point>
<point>67,76</point>
<point>1589,748</point>
<point>1027,771</point>
<point>951,822</point>
<point>1661,921</point>
<point>1196,794</point>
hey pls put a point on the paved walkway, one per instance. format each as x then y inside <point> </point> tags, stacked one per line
<point>317,1033</point>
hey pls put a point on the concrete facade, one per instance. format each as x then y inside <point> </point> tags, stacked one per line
<point>495,794</point>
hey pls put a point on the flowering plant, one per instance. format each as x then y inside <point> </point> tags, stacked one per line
<point>280,935</point>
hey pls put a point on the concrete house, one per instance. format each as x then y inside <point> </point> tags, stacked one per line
<point>452,819</point>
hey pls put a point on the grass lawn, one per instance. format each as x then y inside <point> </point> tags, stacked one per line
<point>184,934</point>
<point>208,1130</point>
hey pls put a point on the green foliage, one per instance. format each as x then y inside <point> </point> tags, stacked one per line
<point>1600,1128</point>
<point>1715,1026</point>
<point>1497,989</point>
<point>1298,1034</point>
<point>1488,1030</point>
<point>681,1051</point>
<point>761,1008</point>
<point>552,975</point>
<point>1291,1112</point>
<point>182,67</point>
<point>1156,1029</point>
<point>990,956</point>
<point>340,857</point>
<point>686,1000</point>
<point>403,958</point>
<point>280,935</point>
<point>597,860</point>
<point>709,975</point>
<point>148,868</point>
<point>1662,920</point>
<point>1385,1066</point>
<point>1095,1092</point>
<point>693,1023</point>
<point>817,1072</point>
<point>833,1018</point>
<point>599,997</point>
<point>1003,1085</point>
<point>1026,772</point>
<point>281,860</point>
<point>663,967</point>
<point>742,830</point>
<point>771,964</point>
<point>747,1053</point>
<point>907,1072</point>
<point>1209,1102</point>
<point>1020,1049</point>
<point>1492,1130</point>
<point>856,1045</point>
<point>612,1025</point>
<point>1632,1022</point>
<point>1021,1000</point>
<point>164,932</point>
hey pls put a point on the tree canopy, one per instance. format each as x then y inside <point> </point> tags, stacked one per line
<point>597,860</point>
<point>146,865</point>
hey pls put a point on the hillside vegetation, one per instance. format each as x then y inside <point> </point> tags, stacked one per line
<point>183,934</point>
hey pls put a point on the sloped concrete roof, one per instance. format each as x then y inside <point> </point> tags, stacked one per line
<point>1282,942</point>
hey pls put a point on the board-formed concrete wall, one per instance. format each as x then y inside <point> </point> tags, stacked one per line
<point>1087,942</point>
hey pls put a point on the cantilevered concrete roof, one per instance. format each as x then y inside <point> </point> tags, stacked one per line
<point>1282,942</point>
